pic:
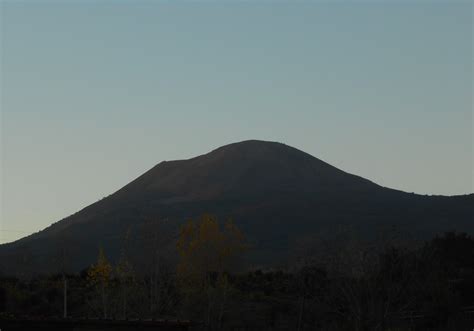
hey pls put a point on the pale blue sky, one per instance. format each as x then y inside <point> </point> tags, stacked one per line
<point>94,93</point>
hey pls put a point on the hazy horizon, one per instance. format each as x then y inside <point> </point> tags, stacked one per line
<point>95,94</point>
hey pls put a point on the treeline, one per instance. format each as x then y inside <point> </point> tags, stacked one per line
<point>356,287</point>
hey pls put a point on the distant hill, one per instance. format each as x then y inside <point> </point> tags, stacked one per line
<point>279,196</point>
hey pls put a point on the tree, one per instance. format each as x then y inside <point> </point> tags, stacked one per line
<point>207,253</point>
<point>125,274</point>
<point>98,277</point>
<point>63,261</point>
<point>159,240</point>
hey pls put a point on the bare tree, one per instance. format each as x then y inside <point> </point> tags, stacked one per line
<point>125,274</point>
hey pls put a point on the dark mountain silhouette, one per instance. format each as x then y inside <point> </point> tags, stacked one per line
<point>279,196</point>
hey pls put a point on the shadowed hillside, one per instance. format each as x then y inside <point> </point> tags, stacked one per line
<point>276,194</point>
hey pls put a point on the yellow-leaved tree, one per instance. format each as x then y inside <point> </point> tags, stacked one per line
<point>98,277</point>
<point>207,253</point>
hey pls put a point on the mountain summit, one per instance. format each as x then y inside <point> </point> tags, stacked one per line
<point>278,195</point>
<point>248,167</point>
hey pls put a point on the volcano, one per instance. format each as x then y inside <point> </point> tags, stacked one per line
<point>277,195</point>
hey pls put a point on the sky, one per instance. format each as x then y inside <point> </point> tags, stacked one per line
<point>94,93</point>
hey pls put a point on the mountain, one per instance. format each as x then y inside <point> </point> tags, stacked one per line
<point>279,196</point>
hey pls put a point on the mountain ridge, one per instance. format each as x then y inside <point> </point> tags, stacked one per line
<point>257,183</point>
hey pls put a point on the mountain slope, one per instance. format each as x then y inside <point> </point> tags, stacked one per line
<point>275,193</point>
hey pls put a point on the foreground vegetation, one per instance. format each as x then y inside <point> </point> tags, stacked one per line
<point>430,287</point>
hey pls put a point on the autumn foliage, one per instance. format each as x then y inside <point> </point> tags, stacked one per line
<point>204,247</point>
<point>207,254</point>
<point>99,276</point>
